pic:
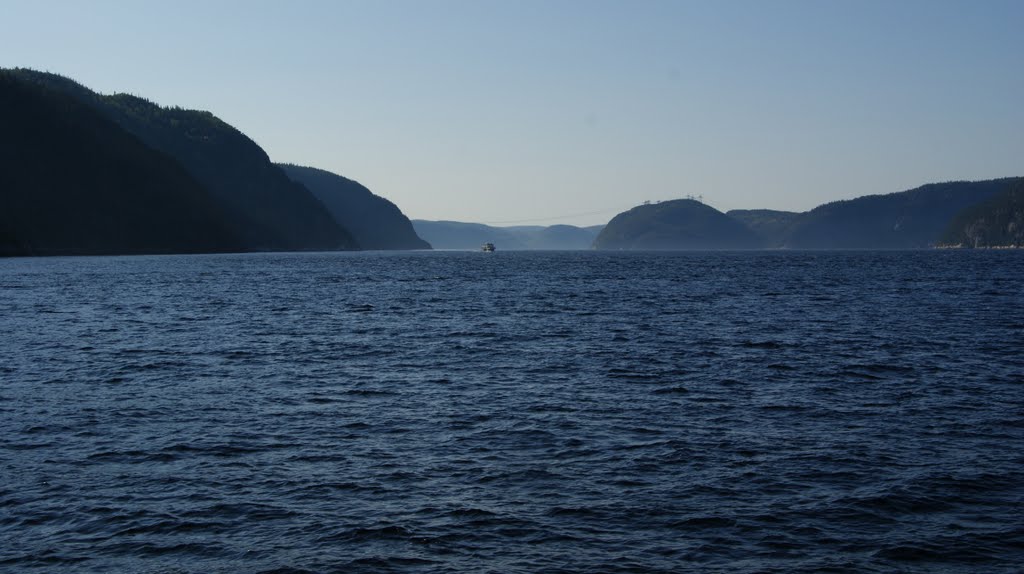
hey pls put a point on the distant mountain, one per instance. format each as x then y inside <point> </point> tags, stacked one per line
<point>268,210</point>
<point>72,181</point>
<point>903,220</point>
<point>675,224</point>
<point>771,227</point>
<point>459,235</point>
<point>996,222</point>
<point>375,222</point>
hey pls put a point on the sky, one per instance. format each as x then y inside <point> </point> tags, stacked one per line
<point>570,111</point>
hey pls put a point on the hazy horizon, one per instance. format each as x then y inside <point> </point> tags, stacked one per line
<point>538,113</point>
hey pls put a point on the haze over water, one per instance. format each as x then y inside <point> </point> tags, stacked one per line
<point>513,412</point>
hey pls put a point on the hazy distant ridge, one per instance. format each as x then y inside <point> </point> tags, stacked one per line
<point>459,235</point>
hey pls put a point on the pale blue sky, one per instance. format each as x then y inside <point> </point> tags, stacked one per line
<point>525,110</point>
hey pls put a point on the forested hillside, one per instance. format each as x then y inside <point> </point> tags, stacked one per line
<point>375,222</point>
<point>269,210</point>
<point>74,182</point>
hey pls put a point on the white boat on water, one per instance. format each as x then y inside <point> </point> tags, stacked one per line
<point>487,247</point>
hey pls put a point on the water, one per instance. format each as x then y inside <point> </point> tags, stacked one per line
<point>513,412</point>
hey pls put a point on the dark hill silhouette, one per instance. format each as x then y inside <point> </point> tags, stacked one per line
<point>676,224</point>
<point>903,220</point>
<point>74,182</point>
<point>996,222</point>
<point>375,222</point>
<point>271,212</point>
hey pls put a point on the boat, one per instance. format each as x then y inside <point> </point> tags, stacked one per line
<point>487,247</point>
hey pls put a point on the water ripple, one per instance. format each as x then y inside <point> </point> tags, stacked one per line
<point>521,412</point>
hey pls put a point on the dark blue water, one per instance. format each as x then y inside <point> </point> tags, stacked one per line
<point>513,412</point>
